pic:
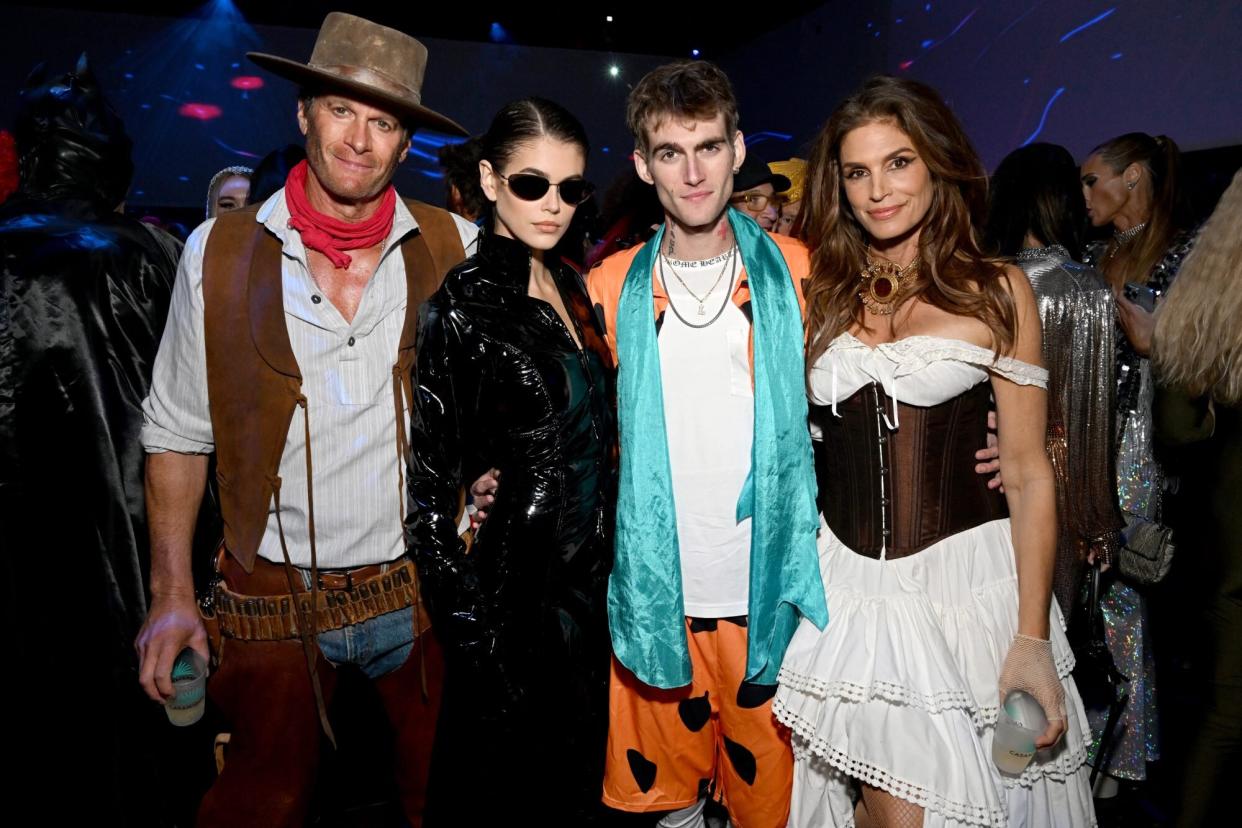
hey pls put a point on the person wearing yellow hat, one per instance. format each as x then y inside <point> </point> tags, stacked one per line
<point>793,169</point>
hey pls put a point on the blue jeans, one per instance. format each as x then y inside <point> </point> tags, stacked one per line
<point>376,646</point>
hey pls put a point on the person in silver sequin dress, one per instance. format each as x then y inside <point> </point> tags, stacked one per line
<point>1037,217</point>
<point>1131,184</point>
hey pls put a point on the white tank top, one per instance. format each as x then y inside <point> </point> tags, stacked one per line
<point>709,418</point>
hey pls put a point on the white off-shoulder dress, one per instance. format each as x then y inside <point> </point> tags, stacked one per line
<point>900,689</point>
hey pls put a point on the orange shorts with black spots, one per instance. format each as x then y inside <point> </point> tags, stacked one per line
<point>716,737</point>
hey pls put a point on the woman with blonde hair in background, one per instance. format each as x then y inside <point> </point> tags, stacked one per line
<point>229,190</point>
<point>1197,359</point>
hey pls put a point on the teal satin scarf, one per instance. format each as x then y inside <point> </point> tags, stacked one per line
<point>646,611</point>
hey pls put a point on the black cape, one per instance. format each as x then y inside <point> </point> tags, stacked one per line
<point>84,293</point>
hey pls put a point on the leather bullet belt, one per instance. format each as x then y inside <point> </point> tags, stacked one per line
<point>343,599</point>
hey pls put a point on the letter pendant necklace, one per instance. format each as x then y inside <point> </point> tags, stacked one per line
<point>728,262</point>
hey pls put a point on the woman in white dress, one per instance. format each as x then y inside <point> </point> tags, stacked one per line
<point>938,585</point>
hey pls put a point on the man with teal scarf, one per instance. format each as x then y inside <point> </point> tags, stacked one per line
<point>716,561</point>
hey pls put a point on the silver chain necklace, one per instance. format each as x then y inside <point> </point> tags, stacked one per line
<point>731,264</point>
<point>725,262</point>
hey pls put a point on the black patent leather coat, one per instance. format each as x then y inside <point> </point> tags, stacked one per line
<point>522,617</point>
<point>500,383</point>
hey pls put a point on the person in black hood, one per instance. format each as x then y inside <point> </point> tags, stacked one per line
<point>84,292</point>
<point>513,373</point>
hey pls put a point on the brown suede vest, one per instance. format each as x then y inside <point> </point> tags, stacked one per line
<point>253,380</point>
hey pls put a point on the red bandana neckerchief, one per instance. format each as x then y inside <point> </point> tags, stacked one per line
<point>331,236</point>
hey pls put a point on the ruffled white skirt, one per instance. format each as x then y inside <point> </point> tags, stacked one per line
<point>900,691</point>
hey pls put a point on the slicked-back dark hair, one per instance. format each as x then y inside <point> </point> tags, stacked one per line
<point>1162,159</point>
<point>525,120</point>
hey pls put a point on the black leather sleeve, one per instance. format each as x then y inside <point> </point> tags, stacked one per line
<point>445,382</point>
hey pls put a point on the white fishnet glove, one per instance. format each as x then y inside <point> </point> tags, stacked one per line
<point>1029,667</point>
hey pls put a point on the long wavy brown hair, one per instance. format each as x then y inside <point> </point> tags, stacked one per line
<point>954,274</point>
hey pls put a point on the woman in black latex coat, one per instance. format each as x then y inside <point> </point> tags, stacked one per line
<point>513,373</point>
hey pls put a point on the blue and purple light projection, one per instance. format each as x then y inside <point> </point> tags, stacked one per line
<point>1074,73</point>
<point>1065,71</point>
<point>194,104</point>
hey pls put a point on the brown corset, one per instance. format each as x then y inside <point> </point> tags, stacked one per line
<point>909,488</point>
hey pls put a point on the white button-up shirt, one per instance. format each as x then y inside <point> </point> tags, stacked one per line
<point>346,378</point>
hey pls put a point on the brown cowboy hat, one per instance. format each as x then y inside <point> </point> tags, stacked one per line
<point>364,58</point>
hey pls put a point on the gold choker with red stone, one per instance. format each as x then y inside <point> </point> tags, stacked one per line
<point>881,284</point>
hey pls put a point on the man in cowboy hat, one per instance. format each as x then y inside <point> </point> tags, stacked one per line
<point>287,355</point>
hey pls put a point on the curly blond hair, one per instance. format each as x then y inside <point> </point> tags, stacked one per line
<point>1198,341</point>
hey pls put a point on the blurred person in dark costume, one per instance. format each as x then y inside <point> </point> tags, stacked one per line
<point>463,194</point>
<point>759,191</point>
<point>272,171</point>
<point>84,292</point>
<point>1196,349</point>
<point>630,213</point>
